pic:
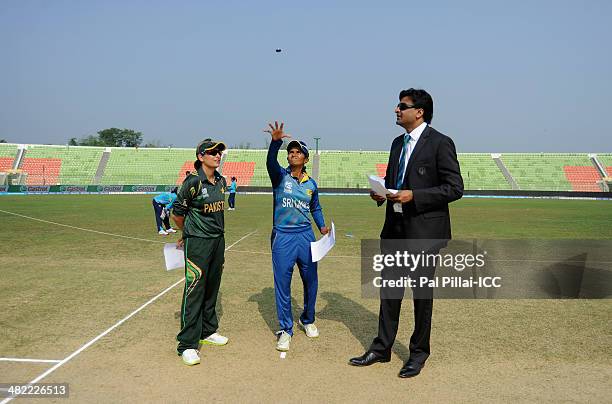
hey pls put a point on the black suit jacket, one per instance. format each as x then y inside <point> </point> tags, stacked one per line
<point>434,177</point>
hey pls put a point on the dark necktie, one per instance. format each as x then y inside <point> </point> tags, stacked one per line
<point>403,161</point>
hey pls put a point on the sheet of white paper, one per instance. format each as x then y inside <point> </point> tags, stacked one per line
<point>174,257</point>
<point>321,247</point>
<point>377,185</point>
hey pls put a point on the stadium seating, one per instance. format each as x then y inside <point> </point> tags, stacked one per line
<point>606,160</point>
<point>147,165</point>
<point>182,174</point>
<point>582,178</point>
<point>344,169</point>
<point>74,165</point>
<point>42,171</point>
<point>255,159</point>
<point>544,171</point>
<point>7,156</point>
<point>243,171</point>
<point>480,172</point>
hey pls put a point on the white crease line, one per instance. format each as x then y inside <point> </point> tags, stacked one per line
<point>29,360</point>
<point>82,229</point>
<point>240,239</point>
<point>93,341</point>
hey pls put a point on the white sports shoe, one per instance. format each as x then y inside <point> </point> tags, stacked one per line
<point>190,357</point>
<point>170,230</point>
<point>284,339</point>
<point>162,232</point>
<point>215,339</point>
<point>310,329</point>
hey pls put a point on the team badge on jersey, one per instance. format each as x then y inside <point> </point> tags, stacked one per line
<point>288,188</point>
<point>204,192</point>
<point>309,192</point>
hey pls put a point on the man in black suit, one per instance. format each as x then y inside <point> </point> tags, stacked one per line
<point>423,166</point>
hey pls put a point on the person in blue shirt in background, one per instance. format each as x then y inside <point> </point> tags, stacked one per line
<point>232,194</point>
<point>162,204</point>
<point>296,198</point>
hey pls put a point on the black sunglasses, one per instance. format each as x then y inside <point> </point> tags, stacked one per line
<point>402,106</point>
<point>213,152</point>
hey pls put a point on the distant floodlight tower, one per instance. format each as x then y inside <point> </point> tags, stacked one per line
<point>316,139</point>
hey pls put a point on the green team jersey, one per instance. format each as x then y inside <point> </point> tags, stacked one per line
<point>202,204</point>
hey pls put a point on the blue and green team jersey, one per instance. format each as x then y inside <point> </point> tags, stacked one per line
<point>294,201</point>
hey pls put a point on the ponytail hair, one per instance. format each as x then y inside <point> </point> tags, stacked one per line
<point>197,164</point>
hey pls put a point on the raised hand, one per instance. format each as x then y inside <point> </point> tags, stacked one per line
<point>277,131</point>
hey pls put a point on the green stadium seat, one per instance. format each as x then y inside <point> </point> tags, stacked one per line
<point>480,172</point>
<point>349,169</point>
<point>147,166</point>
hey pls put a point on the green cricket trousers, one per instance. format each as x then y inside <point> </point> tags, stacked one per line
<point>204,259</point>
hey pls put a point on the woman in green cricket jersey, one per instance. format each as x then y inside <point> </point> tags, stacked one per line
<point>198,212</point>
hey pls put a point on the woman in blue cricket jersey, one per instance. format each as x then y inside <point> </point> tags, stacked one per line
<point>232,194</point>
<point>162,204</point>
<point>296,198</point>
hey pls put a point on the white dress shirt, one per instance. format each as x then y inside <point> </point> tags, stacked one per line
<point>414,138</point>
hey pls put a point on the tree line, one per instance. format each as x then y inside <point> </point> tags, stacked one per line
<point>112,137</point>
<point>115,137</point>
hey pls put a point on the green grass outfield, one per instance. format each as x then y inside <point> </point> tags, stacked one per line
<point>61,287</point>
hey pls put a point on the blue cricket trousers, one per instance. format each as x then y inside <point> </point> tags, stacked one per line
<point>289,249</point>
<point>158,207</point>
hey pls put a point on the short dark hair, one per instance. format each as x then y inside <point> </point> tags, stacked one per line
<point>233,178</point>
<point>174,190</point>
<point>421,99</point>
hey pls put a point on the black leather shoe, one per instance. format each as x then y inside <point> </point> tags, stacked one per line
<point>368,359</point>
<point>410,369</point>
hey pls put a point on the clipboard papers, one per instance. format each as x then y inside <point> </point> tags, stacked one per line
<point>377,185</point>
<point>321,247</point>
<point>174,257</point>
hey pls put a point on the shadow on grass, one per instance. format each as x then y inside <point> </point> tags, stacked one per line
<point>361,322</point>
<point>266,304</point>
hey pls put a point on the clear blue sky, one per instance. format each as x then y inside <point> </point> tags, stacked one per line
<point>505,75</point>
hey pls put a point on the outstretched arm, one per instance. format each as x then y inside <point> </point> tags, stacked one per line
<point>274,169</point>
